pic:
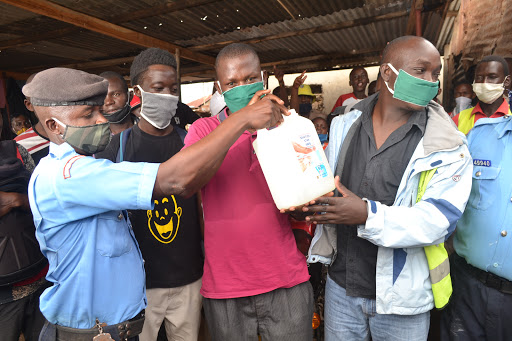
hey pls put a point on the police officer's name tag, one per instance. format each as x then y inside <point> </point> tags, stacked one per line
<point>483,163</point>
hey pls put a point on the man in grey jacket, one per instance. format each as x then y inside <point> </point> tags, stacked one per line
<point>379,282</point>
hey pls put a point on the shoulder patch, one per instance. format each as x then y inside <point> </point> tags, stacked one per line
<point>67,167</point>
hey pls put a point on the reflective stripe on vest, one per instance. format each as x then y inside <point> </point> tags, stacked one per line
<point>466,120</point>
<point>437,257</point>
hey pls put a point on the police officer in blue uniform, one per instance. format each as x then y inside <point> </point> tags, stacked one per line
<point>78,204</point>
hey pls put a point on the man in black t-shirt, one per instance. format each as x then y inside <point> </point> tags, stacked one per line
<point>169,236</point>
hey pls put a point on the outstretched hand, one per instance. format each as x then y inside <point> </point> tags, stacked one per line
<point>348,209</point>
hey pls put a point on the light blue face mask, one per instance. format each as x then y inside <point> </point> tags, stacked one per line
<point>411,89</point>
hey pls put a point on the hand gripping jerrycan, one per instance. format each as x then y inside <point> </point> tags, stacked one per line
<point>293,162</point>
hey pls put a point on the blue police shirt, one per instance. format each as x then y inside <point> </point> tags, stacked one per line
<point>96,266</point>
<point>484,233</point>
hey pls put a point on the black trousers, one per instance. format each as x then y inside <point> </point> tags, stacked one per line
<point>475,312</point>
<point>22,316</point>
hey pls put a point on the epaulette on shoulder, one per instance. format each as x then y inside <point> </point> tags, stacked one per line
<point>67,167</point>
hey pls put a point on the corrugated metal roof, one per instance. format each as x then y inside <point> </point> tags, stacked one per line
<point>218,21</point>
<point>294,25</point>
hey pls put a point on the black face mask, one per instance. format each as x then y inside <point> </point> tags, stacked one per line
<point>305,108</point>
<point>119,115</point>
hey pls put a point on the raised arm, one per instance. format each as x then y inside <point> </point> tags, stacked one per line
<point>294,96</point>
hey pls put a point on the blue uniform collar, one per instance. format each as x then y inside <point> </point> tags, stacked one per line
<point>505,127</point>
<point>61,150</point>
<point>502,125</point>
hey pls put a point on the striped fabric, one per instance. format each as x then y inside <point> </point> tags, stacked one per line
<point>31,141</point>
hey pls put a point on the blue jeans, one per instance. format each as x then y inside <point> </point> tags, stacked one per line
<point>354,318</point>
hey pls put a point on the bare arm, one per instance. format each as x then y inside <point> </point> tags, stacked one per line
<point>11,200</point>
<point>294,96</point>
<point>189,170</point>
<point>283,94</point>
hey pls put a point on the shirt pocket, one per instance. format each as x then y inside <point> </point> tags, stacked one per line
<point>485,188</point>
<point>113,238</point>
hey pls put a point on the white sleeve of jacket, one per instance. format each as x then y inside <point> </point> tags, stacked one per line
<point>428,222</point>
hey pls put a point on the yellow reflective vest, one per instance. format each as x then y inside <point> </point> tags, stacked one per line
<point>467,120</point>
<point>437,257</point>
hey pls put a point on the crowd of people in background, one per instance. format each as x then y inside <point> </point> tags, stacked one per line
<point>130,217</point>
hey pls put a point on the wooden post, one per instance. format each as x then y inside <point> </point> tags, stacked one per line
<point>178,71</point>
<point>448,71</point>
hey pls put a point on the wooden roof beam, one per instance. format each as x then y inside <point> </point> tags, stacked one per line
<point>117,19</point>
<point>27,40</point>
<point>64,14</point>
<point>356,54</point>
<point>318,29</point>
<point>286,9</point>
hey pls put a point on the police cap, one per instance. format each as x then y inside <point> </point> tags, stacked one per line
<point>63,87</point>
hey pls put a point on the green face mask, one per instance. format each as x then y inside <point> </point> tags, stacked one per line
<point>90,139</point>
<point>411,89</point>
<point>238,97</point>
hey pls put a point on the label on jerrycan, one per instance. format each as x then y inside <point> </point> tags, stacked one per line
<point>309,157</point>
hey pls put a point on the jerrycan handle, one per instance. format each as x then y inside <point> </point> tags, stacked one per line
<point>292,114</point>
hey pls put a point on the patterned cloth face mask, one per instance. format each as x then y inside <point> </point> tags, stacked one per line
<point>90,139</point>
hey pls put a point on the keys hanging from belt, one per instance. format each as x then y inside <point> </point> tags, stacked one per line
<point>101,336</point>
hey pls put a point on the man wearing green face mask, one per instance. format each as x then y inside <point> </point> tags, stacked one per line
<point>255,279</point>
<point>78,204</point>
<point>378,224</point>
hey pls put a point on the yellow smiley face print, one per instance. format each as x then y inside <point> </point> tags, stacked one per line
<point>164,219</point>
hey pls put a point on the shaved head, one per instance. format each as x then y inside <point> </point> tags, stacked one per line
<point>398,49</point>
<point>236,50</point>
<point>415,56</point>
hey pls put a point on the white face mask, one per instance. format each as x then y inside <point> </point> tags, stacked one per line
<point>158,109</point>
<point>463,103</point>
<point>217,103</point>
<point>488,92</point>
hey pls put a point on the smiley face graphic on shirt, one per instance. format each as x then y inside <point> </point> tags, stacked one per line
<point>164,219</point>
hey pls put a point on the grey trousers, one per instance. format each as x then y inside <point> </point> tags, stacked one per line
<point>279,315</point>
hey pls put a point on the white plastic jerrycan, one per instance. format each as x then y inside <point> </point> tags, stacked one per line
<point>293,162</point>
